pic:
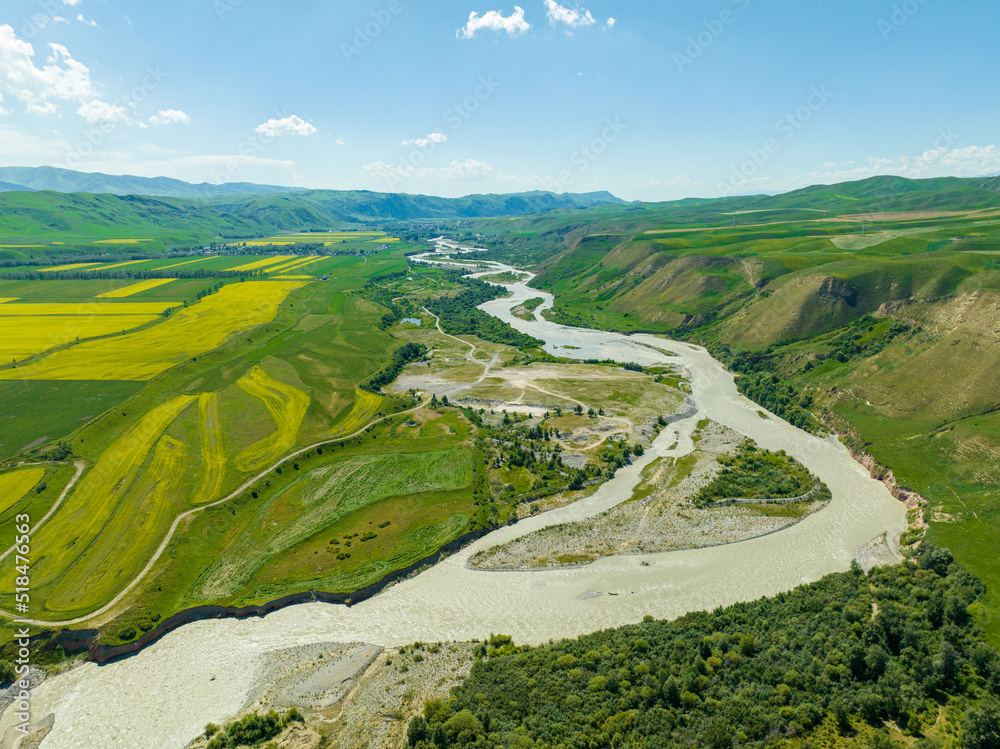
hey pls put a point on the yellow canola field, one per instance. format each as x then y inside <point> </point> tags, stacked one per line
<point>8,299</point>
<point>213,449</point>
<point>15,485</point>
<point>191,331</point>
<point>366,405</point>
<point>135,288</point>
<point>186,262</point>
<point>117,265</point>
<point>21,337</point>
<point>265,262</point>
<point>72,266</point>
<point>80,549</point>
<point>86,309</point>
<point>292,278</point>
<point>296,266</point>
<point>121,241</point>
<point>287,406</point>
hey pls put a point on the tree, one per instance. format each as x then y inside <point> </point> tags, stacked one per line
<point>981,728</point>
<point>418,731</point>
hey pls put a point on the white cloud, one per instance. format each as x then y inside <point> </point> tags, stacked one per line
<point>97,112</point>
<point>70,2</point>
<point>340,141</point>
<point>86,22</point>
<point>61,77</point>
<point>829,165</point>
<point>293,125</point>
<point>610,23</point>
<point>169,117</point>
<point>470,169</point>
<point>423,142</point>
<point>495,20</point>
<point>970,161</point>
<point>572,17</point>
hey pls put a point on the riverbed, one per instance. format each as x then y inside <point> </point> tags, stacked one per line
<point>204,672</point>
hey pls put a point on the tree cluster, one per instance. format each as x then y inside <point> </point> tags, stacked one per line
<point>849,650</point>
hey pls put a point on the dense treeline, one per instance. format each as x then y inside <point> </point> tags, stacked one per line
<point>402,356</point>
<point>752,473</point>
<point>459,315</point>
<point>848,651</point>
<point>766,389</point>
<point>125,274</point>
<point>759,382</point>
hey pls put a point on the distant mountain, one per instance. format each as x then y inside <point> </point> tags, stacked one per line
<point>10,187</point>
<point>321,208</point>
<point>52,214</point>
<point>67,180</point>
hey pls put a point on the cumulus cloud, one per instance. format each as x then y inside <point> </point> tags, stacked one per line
<point>495,20</point>
<point>969,161</point>
<point>70,2</point>
<point>293,125</point>
<point>98,112</point>
<point>610,23</point>
<point>85,21</point>
<point>61,77</point>
<point>170,117</point>
<point>572,17</point>
<point>423,142</point>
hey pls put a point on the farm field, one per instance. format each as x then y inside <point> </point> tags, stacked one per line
<point>135,288</point>
<point>190,332</point>
<point>216,393</point>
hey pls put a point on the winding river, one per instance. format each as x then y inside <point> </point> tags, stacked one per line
<point>162,697</point>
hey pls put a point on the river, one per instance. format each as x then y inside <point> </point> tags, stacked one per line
<point>162,697</point>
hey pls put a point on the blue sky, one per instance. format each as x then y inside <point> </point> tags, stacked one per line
<point>651,100</point>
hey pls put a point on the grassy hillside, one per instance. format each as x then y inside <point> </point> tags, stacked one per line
<point>883,324</point>
<point>28,219</point>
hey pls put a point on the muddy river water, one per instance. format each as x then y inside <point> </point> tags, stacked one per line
<point>162,697</point>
